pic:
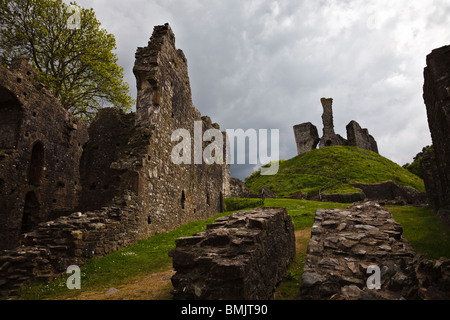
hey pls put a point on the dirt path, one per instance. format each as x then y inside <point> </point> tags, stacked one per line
<point>156,286</point>
<point>302,239</point>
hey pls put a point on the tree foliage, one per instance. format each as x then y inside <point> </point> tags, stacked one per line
<point>416,166</point>
<point>76,64</point>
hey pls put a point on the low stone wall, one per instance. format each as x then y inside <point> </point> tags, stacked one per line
<point>387,192</point>
<point>238,189</point>
<point>239,257</point>
<point>48,251</point>
<point>344,245</point>
<point>391,191</point>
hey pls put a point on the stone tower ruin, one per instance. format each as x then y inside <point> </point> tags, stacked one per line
<point>307,137</point>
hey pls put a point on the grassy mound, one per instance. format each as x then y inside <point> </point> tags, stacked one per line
<point>332,170</point>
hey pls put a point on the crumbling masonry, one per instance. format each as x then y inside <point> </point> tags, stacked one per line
<point>345,244</point>
<point>307,137</point>
<point>436,162</point>
<point>239,257</point>
<point>70,192</point>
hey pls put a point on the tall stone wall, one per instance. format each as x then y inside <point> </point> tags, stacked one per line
<point>109,134</point>
<point>431,179</point>
<point>117,175</point>
<point>306,137</point>
<point>437,100</point>
<point>171,194</point>
<point>40,147</point>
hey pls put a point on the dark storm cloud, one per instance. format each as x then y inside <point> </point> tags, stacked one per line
<point>266,64</point>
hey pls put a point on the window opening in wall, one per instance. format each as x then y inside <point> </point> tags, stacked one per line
<point>183,199</point>
<point>208,201</point>
<point>149,220</point>
<point>36,169</point>
<point>10,119</point>
<point>30,217</point>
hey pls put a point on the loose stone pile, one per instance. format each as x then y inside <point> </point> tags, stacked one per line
<point>346,249</point>
<point>239,257</point>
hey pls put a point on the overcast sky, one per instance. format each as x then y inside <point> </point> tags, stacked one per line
<point>266,64</point>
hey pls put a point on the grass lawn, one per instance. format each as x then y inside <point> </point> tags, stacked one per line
<point>423,229</point>
<point>132,268</point>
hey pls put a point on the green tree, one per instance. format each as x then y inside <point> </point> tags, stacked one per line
<point>75,62</point>
<point>416,166</point>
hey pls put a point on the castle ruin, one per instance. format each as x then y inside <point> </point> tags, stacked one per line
<point>307,137</point>
<point>72,191</point>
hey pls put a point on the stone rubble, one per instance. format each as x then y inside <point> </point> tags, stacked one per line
<point>307,137</point>
<point>345,243</point>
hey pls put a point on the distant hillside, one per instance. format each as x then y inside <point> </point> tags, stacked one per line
<point>332,170</point>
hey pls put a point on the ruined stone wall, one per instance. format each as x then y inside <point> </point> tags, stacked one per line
<point>307,138</point>
<point>121,156</point>
<point>329,138</point>
<point>46,252</point>
<point>239,257</point>
<point>345,243</point>
<point>391,191</point>
<point>437,100</point>
<point>171,194</point>
<point>40,148</point>
<point>238,189</point>
<point>431,179</point>
<point>109,135</point>
<point>358,137</point>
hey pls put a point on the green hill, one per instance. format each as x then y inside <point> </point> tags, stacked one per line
<point>332,170</point>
